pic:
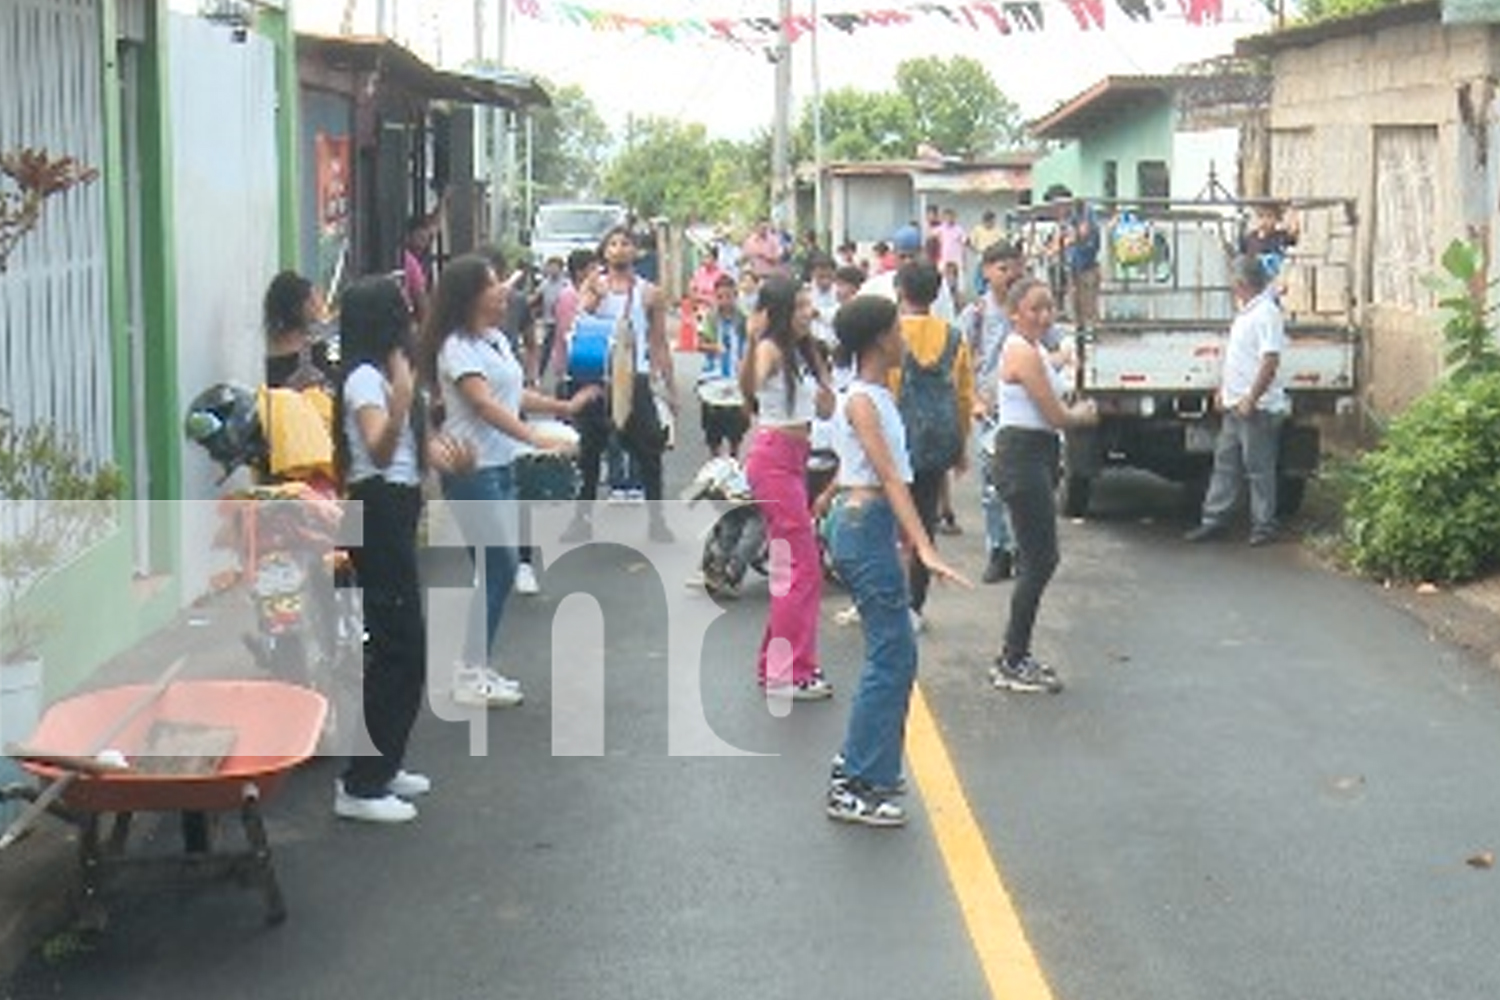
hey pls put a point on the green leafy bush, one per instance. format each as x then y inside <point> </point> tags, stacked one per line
<point>1426,503</point>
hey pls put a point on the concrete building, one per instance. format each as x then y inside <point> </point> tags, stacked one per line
<point>1398,110</point>
<point>868,201</point>
<point>1152,136</point>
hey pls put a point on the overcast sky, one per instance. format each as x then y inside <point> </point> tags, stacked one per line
<point>731,90</point>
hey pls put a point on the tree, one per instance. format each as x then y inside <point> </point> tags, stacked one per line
<point>861,125</point>
<point>569,142</point>
<point>957,107</point>
<point>1325,10</point>
<point>951,104</point>
<point>673,169</point>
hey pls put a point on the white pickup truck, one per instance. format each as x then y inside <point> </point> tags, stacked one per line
<point>1152,360</point>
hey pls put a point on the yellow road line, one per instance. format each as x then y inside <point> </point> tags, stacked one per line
<point>1010,966</point>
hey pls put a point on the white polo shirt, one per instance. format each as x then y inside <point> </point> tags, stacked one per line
<point>1258,329</point>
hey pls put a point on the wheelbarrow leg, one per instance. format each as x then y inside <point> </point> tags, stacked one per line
<point>91,913</point>
<point>119,832</point>
<point>260,847</point>
<point>195,833</point>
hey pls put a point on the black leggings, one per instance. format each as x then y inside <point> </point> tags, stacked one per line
<point>396,654</point>
<point>1025,473</point>
<point>926,492</point>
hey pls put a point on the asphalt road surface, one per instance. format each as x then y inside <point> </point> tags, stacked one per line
<point>1261,782</point>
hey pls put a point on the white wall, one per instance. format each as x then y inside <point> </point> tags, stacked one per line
<point>1194,152</point>
<point>225,207</point>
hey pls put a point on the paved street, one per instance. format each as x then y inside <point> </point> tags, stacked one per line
<point>1262,782</point>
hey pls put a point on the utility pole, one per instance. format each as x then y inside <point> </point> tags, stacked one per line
<point>781,200</point>
<point>817,123</point>
<point>502,156</point>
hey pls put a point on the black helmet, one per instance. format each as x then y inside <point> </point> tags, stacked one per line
<point>223,420</point>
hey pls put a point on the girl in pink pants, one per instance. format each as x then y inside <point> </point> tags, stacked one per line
<point>785,376</point>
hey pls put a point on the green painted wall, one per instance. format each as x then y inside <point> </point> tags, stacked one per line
<point>276,25</point>
<point>94,610</point>
<point>1146,134</point>
<point>1061,166</point>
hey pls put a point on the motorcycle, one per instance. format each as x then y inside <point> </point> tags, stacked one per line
<point>309,619</point>
<point>737,541</point>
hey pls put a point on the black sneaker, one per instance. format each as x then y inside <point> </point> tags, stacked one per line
<point>1205,532</point>
<point>855,802</point>
<point>1002,566</point>
<point>837,775</point>
<point>1024,675</point>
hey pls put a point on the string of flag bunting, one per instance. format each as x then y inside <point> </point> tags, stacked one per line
<point>1006,17</point>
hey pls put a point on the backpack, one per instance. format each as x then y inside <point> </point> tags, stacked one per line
<point>929,409</point>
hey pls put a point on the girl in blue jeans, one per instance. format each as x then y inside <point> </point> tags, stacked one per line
<point>482,385</point>
<point>874,512</point>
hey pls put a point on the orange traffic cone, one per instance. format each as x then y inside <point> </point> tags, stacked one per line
<point>687,328</point>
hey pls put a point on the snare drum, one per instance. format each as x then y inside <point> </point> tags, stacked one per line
<point>588,350</point>
<point>546,475</point>
<point>724,417</point>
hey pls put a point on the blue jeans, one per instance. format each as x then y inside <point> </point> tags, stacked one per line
<point>483,506</point>
<point>997,536</point>
<point>864,552</point>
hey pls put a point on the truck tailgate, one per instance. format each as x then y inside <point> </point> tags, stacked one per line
<point>1191,360</point>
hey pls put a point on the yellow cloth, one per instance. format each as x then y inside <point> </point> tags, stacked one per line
<point>296,424</point>
<point>982,237</point>
<point>622,371</point>
<point>926,336</point>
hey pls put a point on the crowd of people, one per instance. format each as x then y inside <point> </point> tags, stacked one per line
<point>868,361</point>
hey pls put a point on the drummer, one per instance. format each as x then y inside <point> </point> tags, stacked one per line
<point>721,337</point>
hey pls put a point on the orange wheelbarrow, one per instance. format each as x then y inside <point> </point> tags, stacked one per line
<point>264,729</point>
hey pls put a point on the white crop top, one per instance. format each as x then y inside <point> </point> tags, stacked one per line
<point>855,468</point>
<point>770,401</point>
<point>1017,408</point>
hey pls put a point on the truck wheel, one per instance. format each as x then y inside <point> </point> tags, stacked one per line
<point>1075,492</point>
<point>1289,493</point>
<point>1190,500</point>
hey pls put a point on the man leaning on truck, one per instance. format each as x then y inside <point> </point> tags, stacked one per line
<point>1254,404</point>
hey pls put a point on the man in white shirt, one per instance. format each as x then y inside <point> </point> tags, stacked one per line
<point>1254,405</point>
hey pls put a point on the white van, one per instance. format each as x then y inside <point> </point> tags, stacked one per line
<point>561,228</point>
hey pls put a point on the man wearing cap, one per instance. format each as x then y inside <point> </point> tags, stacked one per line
<point>907,245</point>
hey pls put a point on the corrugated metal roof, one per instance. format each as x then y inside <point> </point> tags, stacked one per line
<point>505,88</point>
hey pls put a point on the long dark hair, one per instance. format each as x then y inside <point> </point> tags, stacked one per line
<point>778,297</point>
<point>458,289</point>
<point>282,308</point>
<point>373,321</point>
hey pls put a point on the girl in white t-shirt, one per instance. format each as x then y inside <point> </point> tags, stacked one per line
<point>378,447</point>
<point>483,389</point>
<point>874,514</point>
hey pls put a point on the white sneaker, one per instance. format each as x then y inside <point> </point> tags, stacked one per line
<point>500,680</point>
<point>479,688</point>
<point>386,809</point>
<point>526,580</point>
<point>849,616</point>
<point>409,784</point>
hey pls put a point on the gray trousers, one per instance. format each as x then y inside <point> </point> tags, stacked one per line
<point>1246,450</point>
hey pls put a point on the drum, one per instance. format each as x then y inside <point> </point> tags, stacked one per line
<point>588,350</point>
<point>724,417</point>
<point>547,475</point>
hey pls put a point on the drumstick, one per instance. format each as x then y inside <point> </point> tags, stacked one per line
<point>149,697</point>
